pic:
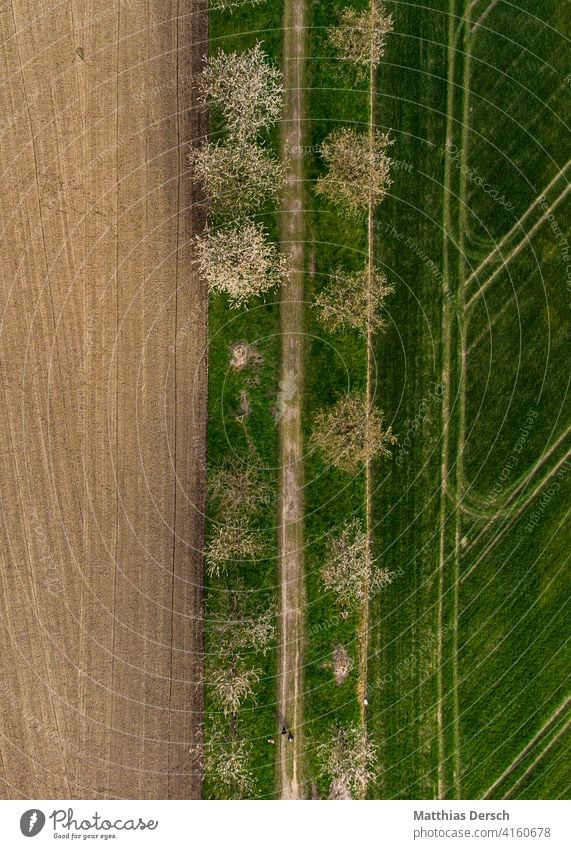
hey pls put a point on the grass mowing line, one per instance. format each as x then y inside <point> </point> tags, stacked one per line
<point>485,14</point>
<point>539,486</point>
<point>487,331</point>
<point>497,249</point>
<point>448,366</point>
<point>462,369</point>
<point>290,519</point>
<point>518,248</point>
<point>545,729</point>
<point>445,406</point>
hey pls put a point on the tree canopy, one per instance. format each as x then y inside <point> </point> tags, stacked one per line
<point>245,89</point>
<point>352,301</point>
<point>351,433</point>
<point>360,37</point>
<point>358,168</point>
<point>238,261</point>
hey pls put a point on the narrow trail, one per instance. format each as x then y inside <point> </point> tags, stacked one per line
<point>453,426</point>
<point>290,519</point>
<point>363,640</point>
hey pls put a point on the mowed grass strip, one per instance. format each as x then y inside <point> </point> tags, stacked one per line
<point>406,619</point>
<point>258,326</point>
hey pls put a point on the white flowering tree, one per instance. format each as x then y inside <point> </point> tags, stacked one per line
<point>238,261</point>
<point>245,89</point>
<point>358,169</point>
<point>349,760</point>
<point>348,570</point>
<point>230,5</point>
<point>352,433</point>
<point>232,684</point>
<point>237,489</point>
<point>360,37</point>
<point>258,633</point>
<point>352,301</point>
<point>229,545</point>
<point>231,631</point>
<point>227,765</point>
<point>239,176</point>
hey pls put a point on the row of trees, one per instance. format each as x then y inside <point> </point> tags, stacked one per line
<point>240,175</point>
<point>241,178</point>
<point>353,432</point>
<point>237,493</point>
<point>240,626</point>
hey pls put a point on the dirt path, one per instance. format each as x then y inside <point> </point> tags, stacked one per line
<point>290,521</point>
<point>102,338</point>
<point>363,637</point>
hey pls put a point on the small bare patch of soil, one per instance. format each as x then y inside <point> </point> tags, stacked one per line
<point>245,407</point>
<point>243,355</point>
<point>342,664</point>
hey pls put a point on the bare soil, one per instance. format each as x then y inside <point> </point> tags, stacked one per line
<point>342,664</point>
<point>243,355</point>
<point>102,358</point>
<point>290,521</point>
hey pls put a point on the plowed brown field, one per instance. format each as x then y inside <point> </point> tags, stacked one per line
<point>103,400</point>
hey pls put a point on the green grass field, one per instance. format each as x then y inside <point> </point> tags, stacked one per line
<point>503,672</point>
<point>513,599</point>
<point>467,691</point>
<point>405,619</point>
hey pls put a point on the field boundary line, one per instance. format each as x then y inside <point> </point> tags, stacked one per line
<point>528,747</point>
<point>454,34</point>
